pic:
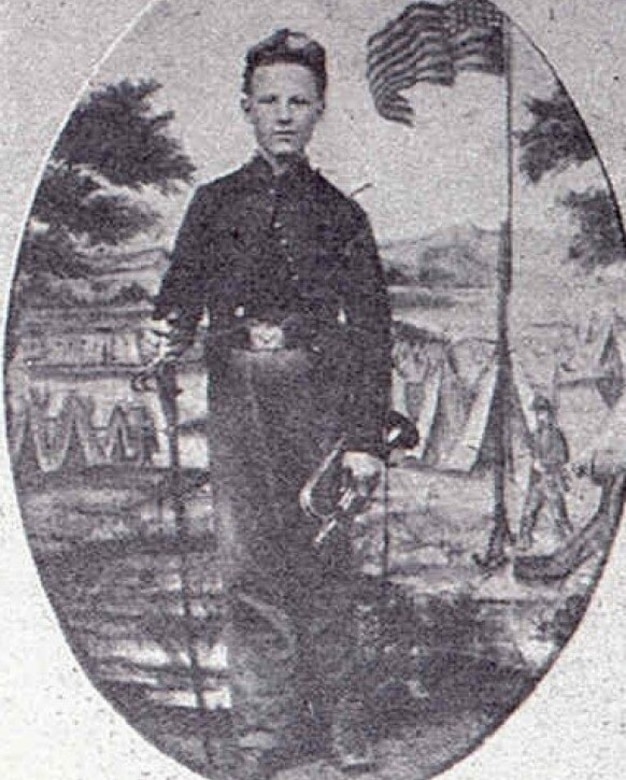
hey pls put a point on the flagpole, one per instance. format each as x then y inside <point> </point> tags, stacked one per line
<point>399,56</point>
<point>501,532</point>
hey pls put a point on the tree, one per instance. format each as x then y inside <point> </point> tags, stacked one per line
<point>557,139</point>
<point>115,133</point>
<point>599,241</point>
<point>112,143</point>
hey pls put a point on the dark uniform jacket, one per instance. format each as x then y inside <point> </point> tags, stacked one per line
<point>550,449</point>
<point>289,250</point>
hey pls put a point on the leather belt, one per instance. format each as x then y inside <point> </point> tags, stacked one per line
<point>270,336</point>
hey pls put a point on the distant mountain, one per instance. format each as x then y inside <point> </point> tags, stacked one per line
<point>461,256</point>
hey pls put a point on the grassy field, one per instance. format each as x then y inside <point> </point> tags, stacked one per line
<point>463,648</point>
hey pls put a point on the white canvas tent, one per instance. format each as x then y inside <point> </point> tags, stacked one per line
<point>581,409</point>
<point>49,443</point>
<point>442,415</point>
<point>597,361</point>
<point>430,408</point>
<point>55,442</point>
<point>474,447</point>
<point>605,455</point>
<point>427,389</point>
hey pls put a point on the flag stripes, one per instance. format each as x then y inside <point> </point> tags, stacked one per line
<point>398,29</point>
<point>408,49</point>
<point>431,43</point>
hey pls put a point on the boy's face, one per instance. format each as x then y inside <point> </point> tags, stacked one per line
<point>283,107</point>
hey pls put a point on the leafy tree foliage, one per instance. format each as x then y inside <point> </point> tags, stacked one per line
<point>599,241</point>
<point>556,138</point>
<point>112,143</point>
<point>115,133</point>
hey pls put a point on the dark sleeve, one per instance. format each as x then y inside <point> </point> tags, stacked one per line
<point>182,295</point>
<point>368,316</point>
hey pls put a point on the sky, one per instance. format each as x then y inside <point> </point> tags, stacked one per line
<point>448,169</point>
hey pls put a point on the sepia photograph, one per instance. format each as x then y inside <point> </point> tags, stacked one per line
<point>315,391</point>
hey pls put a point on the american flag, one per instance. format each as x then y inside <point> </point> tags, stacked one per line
<point>431,43</point>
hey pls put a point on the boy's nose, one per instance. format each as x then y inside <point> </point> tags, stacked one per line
<point>284,112</point>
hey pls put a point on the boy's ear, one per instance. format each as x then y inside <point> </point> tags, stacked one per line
<point>246,104</point>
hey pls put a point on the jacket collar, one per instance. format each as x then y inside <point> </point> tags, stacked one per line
<point>260,170</point>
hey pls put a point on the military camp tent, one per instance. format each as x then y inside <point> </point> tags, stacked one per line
<point>428,390</point>
<point>474,448</point>
<point>605,453</point>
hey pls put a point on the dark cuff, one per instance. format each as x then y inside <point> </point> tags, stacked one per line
<point>360,440</point>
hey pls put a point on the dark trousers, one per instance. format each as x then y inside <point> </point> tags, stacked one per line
<point>545,490</point>
<point>290,608</point>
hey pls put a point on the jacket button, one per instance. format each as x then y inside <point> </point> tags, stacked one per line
<point>283,241</point>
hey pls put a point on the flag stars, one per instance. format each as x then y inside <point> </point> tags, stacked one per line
<point>463,14</point>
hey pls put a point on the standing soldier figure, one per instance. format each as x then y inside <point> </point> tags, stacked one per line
<point>547,484</point>
<point>298,352</point>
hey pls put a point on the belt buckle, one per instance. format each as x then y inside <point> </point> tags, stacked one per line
<point>265,337</point>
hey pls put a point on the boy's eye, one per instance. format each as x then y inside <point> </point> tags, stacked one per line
<point>267,99</point>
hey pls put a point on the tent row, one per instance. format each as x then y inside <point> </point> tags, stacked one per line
<point>69,440</point>
<point>451,396</point>
<point>456,425</point>
<point>456,418</point>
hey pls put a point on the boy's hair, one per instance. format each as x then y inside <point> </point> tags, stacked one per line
<point>290,47</point>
